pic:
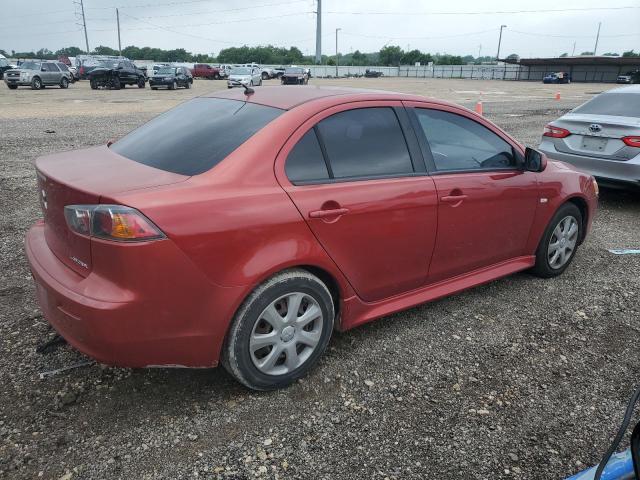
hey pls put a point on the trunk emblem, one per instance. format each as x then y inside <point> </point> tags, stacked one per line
<point>594,127</point>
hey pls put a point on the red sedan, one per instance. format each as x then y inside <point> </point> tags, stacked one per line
<point>244,227</point>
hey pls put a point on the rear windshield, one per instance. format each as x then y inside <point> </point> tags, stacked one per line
<point>195,136</point>
<point>620,104</point>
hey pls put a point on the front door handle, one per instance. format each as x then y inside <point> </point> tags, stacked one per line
<point>334,212</point>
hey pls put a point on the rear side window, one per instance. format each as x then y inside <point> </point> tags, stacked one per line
<point>305,162</point>
<point>459,143</point>
<point>620,104</point>
<point>365,142</point>
<point>195,136</point>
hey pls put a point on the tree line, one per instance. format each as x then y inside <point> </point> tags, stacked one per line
<point>390,55</point>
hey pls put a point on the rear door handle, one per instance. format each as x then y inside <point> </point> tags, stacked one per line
<point>453,198</point>
<point>334,212</point>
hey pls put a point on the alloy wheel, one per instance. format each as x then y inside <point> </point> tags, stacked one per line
<point>562,243</point>
<point>286,334</point>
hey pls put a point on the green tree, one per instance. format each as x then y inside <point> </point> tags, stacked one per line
<point>102,50</point>
<point>586,53</point>
<point>515,57</point>
<point>390,55</point>
<point>630,53</point>
<point>69,52</point>
<point>565,54</point>
<point>611,54</point>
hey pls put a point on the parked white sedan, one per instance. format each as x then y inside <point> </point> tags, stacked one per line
<point>244,76</point>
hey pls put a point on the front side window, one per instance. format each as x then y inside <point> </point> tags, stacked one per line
<point>459,143</point>
<point>52,67</point>
<point>365,142</point>
<point>202,140</point>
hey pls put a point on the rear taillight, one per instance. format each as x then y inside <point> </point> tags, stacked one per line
<point>555,132</point>
<point>81,71</point>
<point>632,141</point>
<point>111,222</point>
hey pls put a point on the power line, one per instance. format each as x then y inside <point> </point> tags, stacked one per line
<point>196,1</point>
<point>242,20</point>
<point>494,12</point>
<point>387,37</point>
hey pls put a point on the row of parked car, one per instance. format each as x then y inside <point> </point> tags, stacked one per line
<point>118,72</point>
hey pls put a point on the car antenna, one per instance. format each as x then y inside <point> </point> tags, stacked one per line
<point>247,89</point>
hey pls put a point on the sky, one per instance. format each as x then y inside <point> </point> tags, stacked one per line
<point>533,29</point>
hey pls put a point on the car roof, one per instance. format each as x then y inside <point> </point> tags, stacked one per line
<point>288,98</point>
<point>627,89</point>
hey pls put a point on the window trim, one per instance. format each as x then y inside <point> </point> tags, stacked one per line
<point>416,166</point>
<point>426,147</point>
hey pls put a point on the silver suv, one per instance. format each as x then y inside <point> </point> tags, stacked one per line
<point>38,74</point>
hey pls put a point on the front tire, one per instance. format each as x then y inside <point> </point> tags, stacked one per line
<point>559,242</point>
<point>141,82</point>
<point>36,83</point>
<point>12,87</point>
<point>93,84</point>
<point>173,86</point>
<point>280,331</point>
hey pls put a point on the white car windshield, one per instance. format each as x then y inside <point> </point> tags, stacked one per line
<point>241,71</point>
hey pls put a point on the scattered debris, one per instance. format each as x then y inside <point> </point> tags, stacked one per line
<point>57,371</point>
<point>49,131</point>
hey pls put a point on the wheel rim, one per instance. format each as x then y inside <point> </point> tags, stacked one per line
<point>562,243</point>
<point>286,333</point>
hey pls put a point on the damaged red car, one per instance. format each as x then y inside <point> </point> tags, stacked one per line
<point>248,236</point>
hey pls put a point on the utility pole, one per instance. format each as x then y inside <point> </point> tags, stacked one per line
<point>479,51</point>
<point>118,20</point>
<point>500,41</point>
<point>84,24</point>
<point>573,52</point>
<point>595,49</point>
<point>319,33</point>
<point>337,30</point>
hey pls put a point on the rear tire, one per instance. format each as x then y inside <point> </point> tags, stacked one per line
<point>187,85</point>
<point>173,86</point>
<point>141,82</point>
<point>64,83</point>
<point>559,242</point>
<point>268,346</point>
<point>93,84</point>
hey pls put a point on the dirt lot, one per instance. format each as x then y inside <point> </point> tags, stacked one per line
<point>522,378</point>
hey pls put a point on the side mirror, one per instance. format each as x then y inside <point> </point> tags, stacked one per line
<point>534,161</point>
<point>110,142</point>
<point>43,69</point>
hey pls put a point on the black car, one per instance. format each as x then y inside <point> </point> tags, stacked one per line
<point>171,77</point>
<point>116,74</point>
<point>4,66</point>
<point>557,77</point>
<point>295,76</point>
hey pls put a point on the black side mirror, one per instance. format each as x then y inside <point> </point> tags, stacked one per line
<point>43,69</point>
<point>534,161</point>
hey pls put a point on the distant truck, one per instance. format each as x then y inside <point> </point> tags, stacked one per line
<point>557,77</point>
<point>202,70</point>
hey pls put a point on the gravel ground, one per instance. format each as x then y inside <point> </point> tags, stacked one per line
<point>521,378</point>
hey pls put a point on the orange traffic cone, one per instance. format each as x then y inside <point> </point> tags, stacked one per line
<point>478,108</point>
<point>557,95</point>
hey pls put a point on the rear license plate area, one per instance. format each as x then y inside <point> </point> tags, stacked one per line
<point>594,144</point>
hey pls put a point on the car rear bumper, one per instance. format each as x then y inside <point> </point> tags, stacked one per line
<point>134,327</point>
<point>160,83</point>
<point>609,171</point>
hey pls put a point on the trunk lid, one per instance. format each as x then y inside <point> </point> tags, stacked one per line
<point>85,177</point>
<point>597,135</point>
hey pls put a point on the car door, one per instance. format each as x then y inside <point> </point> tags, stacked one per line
<point>256,76</point>
<point>355,175</point>
<point>52,75</point>
<point>487,201</point>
